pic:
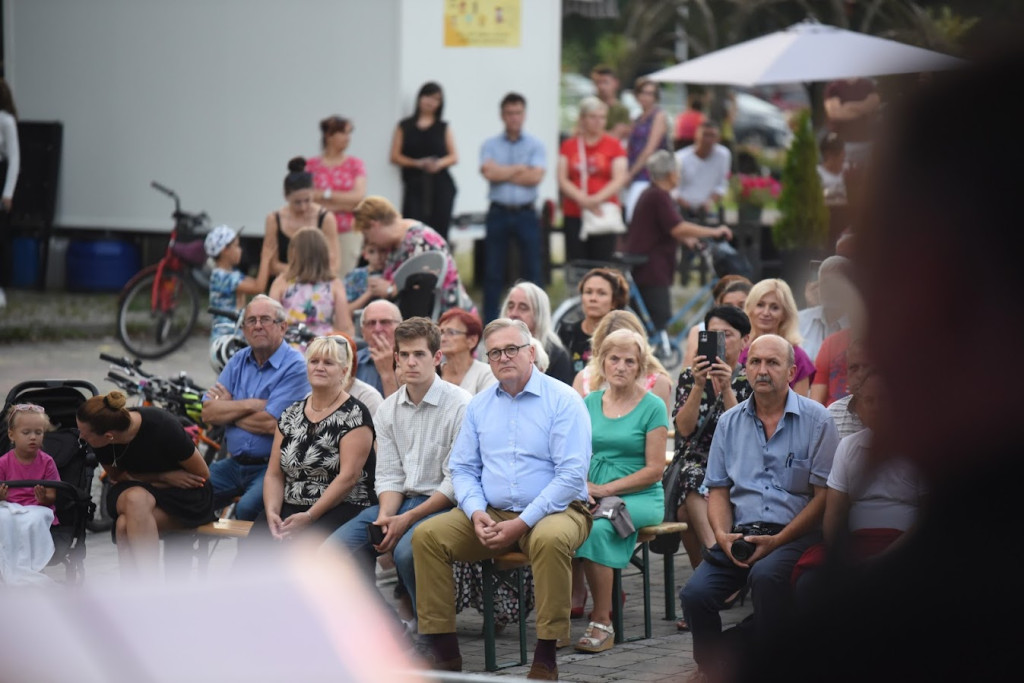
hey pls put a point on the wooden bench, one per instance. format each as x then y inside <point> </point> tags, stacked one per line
<point>197,541</point>
<point>508,568</point>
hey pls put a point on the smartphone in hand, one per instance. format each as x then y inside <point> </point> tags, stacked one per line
<point>711,344</point>
<point>376,533</point>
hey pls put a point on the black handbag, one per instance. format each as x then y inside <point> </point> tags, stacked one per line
<point>668,544</point>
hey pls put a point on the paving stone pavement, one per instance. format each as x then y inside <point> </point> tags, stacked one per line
<point>666,656</point>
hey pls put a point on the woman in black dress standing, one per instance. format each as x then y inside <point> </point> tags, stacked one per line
<point>424,148</point>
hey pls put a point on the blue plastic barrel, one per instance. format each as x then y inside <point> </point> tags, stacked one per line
<point>100,265</point>
<point>25,262</point>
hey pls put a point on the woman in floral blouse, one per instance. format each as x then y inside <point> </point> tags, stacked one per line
<point>697,400</point>
<point>322,463</point>
<point>381,224</point>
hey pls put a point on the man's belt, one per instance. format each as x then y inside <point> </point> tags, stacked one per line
<point>249,460</point>
<point>513,207</point>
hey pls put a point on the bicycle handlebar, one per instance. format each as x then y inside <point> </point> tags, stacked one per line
<point>224,312</point>
<point>166,190</point>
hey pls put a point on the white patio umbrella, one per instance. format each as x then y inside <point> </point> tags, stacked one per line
<point>806,52</point>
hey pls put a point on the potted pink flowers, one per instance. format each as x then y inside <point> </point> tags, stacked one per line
<point>754,190</point>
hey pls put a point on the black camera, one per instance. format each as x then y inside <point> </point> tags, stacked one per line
<point>711,345</point>
<point>742,550</point>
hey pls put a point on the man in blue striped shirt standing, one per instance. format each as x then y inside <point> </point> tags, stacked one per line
<point>514,164</point>
<point>519,468</point>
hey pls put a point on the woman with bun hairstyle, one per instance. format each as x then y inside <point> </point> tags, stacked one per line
<point>159,480</point>
<point>424,148</point>
<point>339,182</point>
<point>300,211</point>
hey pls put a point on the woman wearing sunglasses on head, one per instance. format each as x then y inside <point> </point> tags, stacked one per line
<point>160,481</point>
<point>322,462</point>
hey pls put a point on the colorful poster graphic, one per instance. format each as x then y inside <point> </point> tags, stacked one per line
<point>481,23</point>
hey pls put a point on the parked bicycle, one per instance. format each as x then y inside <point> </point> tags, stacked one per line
<point>180,396</point>
<point>668,346</point>
<point>159,306</point>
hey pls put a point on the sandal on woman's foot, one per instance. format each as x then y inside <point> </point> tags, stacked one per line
<point>681,625</point>
<point>597,638</point>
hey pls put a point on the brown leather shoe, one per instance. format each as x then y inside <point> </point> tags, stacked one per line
<point>429,659</point>
<point>542,672</point>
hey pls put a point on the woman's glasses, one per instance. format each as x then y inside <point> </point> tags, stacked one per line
<point>451,332</point>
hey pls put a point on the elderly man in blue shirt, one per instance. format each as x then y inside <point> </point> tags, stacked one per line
<point>767,471</point>
<point>252,391</point>
<point>514,164</point>
<point>519,468</point>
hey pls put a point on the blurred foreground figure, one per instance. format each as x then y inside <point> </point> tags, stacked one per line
<point>946,606</point>
<point>294,616</point>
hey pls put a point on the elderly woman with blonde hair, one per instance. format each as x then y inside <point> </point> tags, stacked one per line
<point>322,462</point>
<point>629,428</point>
<point>656,379</point>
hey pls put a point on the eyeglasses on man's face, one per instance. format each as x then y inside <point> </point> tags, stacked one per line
<point>510,352</point>
<point>264,320</point>
<point>386,322</point>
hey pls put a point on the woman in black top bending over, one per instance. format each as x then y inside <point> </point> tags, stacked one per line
<point>160,481</point>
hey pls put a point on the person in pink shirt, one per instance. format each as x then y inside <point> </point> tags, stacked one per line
<point>26,513</point>
<point>27,424</point>
<point>339,181</point>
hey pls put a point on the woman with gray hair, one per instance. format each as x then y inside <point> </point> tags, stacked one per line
<point>602,160</point>
<point>528,302</point>
<point>655,231</point>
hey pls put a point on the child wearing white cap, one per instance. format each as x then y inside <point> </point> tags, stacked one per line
<point>228,285</point>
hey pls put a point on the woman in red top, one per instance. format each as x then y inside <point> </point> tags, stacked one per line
<point>607,173</point>
<point>339,180</point>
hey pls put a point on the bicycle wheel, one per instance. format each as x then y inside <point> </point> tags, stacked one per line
<point>152,324</point>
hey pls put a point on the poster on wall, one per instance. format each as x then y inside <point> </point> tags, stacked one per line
<point>481,23</point>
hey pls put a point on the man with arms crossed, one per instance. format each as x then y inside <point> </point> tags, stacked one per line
<point>416,427</point>
<point>519,468</point>
<point>769,462</point>
<point>513,163</point>
<point>253,389</point>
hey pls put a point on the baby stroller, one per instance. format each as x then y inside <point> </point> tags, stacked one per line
<point>74,459</point>
<point>418,284</point>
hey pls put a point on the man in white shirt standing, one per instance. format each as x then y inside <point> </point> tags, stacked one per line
<point>703,173</point>
<point>704,169</point>
<point>416,427</point>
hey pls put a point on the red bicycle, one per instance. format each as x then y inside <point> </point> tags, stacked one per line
<point>159,306</point>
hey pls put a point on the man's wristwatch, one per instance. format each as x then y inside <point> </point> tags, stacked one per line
<point>327,194</point>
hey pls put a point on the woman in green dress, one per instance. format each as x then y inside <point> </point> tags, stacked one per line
<point>629,428</point>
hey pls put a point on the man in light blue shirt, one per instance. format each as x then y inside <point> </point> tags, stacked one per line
<point>766,475</point>
<point>252,391</point>
<point>519,468</point>
<point>513,163</point>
